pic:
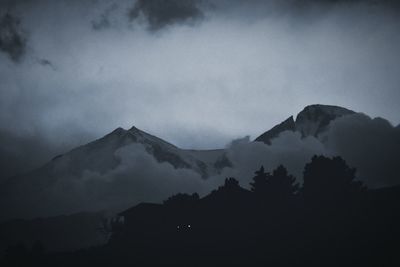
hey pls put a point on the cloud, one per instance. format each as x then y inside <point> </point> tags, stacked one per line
<point>104,20</point>
<point>242,70</point>
<point>12,40</point>
<point>289,149</point>
<point>370,145</point>
<point>301,4</point>
<point>47,63</point>
<point>160,14</point>
<point>139,177</point>
<point>21,152</point>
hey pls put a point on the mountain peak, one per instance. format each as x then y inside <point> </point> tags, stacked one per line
<point>134,129</point>
<point>314,119</point>
<point>311,121</point>
<point>119,130</point>
<point>324,109</point>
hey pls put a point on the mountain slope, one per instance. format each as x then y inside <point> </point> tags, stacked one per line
<point>287,125</point>
<point>32,194</point>
<point>99,155</point>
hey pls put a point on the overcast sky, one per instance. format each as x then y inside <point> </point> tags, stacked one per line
<point>196,73</point>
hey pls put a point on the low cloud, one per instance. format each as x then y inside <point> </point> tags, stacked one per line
<point>23,152</point>
<point>244,69</point>
<point>370,145</point>
<point>19,154</point>
<point>288,149</point>
<point>139,177</point>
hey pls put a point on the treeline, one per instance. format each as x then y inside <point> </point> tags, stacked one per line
<point>331,219</point>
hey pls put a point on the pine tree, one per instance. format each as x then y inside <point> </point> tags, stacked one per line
<point>330,182</point>
<point>260,184</point>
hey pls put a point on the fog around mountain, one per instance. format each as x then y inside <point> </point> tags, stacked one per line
<point>130,166</point>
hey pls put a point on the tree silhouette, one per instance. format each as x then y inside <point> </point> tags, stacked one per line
<point>282,185</point>
<point>260,184</point>
<point>182,200</point>
<point>269,225</point>
<point>330,181</point>
<point>231,183</point>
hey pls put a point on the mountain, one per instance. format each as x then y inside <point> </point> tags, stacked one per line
<point>99,157</point>
<point>311,121</point>
<point>63,186</point>
<point>287,125</point>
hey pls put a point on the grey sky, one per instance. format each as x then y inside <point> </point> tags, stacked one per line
<point>222,70</point>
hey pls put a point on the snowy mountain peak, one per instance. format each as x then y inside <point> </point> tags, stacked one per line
<point>320,110</point>
<point>314,119</point>
<point>311,121</point>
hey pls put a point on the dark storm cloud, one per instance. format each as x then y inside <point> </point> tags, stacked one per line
<point>304,3</point>
<point>160,14</point>
<point>10,4</point>
<point>12,39</point>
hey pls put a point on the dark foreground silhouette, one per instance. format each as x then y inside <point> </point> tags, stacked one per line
<point>331,220</point>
